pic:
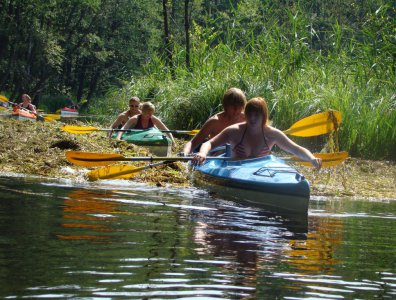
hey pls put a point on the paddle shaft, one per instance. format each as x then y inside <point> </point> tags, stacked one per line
<point>87,129</point>
<point>314,125</point>
<point>144,158</point>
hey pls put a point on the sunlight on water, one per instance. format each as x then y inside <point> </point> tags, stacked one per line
<point>115,238</point>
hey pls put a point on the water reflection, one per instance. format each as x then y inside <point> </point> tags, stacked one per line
<point>88,210</point>
<point>317,252</point>
<point>122,240</point>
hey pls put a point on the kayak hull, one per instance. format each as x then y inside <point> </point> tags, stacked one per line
<point>23,115</point>
<point>152,138</point>
<point>68,112</point>
<point>266,181</point>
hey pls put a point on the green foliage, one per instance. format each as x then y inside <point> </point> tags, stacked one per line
<point>73,48</point>
<point>302,56</point>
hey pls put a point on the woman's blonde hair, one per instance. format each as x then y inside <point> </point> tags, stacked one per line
<point>27,96</point>
<point>257,105</point>
<point>148,106</point>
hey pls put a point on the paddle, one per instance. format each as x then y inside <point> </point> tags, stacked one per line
<point>52,116</point>
<point>317,124</point>
<point>328,159</point>
<point>120,172</point>
<point>314,125</point>
<point>123,171</point>
<point>94,159</point>
<point>88,129</point>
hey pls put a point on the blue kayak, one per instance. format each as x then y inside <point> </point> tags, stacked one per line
<point>266,181</point>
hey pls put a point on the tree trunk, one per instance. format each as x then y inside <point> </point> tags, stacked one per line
<point>168,50</point>
<point>187,33</point>
<point>93,83</point>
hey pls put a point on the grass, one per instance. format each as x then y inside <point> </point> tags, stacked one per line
<point>353,73</point>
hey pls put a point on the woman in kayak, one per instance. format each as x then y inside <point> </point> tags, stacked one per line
<point>234,101</point>
<point>146,120</point>
<point>27,104</point>
<point>255,137</point>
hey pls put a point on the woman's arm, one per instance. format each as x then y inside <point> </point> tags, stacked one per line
<point>286,144</point>
<point>131,123</point>
<point>159,124</point>
<point>220,139</point>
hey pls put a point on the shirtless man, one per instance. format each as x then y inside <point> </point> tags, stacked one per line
<point>134,104</point>
<point>234,101</point>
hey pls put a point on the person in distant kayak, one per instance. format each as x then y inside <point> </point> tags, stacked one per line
<point>134,109</point>
<point>27,104</point>
<point>255,137</point>
<point>146,120</point>
<point>233,102</point>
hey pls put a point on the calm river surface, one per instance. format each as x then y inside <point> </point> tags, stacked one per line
<point>119,239</point>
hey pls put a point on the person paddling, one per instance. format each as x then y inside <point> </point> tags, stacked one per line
<point>27,104</point>
<point>146,120</point>
<point>134,109</point>
<point>255,137</point>
<point>233,102</point>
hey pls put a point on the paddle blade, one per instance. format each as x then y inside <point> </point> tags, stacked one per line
<point>317,124</point>
<point>52,116</point>
<point>92,159</point>
<point>3,98</point>
<point>114,172</point>
<point>328,159</point>
<point>79,129</point>
<point>120,172</point>
<point>193,132</point>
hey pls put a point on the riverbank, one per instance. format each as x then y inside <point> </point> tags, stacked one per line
<point>38,148</point>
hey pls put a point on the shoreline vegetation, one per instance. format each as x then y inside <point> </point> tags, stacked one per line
<point>303,57</point>
<point>38,148</point>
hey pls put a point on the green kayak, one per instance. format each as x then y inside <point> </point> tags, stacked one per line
<point>156,141</point>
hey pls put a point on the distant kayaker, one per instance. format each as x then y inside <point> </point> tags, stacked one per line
<point>255,137</point>
<point>134,109</point>
<point>27,104</point>
<point>233,102</point>
<point>146,120</point>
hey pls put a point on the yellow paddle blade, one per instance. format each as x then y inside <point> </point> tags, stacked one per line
<point>3,98</point>
<point>79,129</point>
<point>193,132</point>
<point>317,124</point>
<point>328,159</point>
<point>122,171</point>
<point>92,159</point>
<point>48,119</point>
<point>53,116</point>
<point>3,108</point>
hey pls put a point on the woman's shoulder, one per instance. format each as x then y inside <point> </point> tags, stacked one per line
<point>274,133</point>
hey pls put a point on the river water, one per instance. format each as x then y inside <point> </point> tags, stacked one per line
<point>119,239</point>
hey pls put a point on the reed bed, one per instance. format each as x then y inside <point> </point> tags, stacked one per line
<point>354,74</point>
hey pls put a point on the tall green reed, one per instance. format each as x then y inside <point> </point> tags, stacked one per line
<point>355,75</point>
